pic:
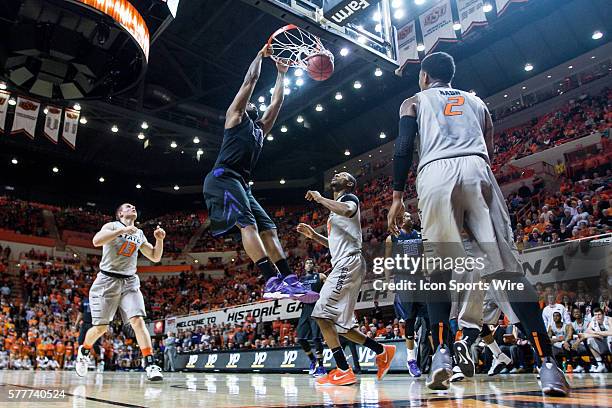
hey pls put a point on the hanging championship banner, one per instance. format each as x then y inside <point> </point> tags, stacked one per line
<point>471,14</point>
<point>71,125</point>
<point>52,123</point>
<point>502,5</point>
<point>437,25</point>
<point>26,115</point>
<point>4,98</point>
<point>407,44</point>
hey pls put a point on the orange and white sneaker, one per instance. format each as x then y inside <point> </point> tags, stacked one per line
<point>383,361</point>
<point>338,377</point>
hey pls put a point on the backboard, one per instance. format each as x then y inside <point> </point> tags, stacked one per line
<point>363,26</point>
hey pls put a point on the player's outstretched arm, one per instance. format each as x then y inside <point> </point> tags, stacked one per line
<point>343,208</point>
<point>309,232</point>
<point>236,110</point>
<point>155,253</point>
<point>109,232</point>
<point>269,118</point>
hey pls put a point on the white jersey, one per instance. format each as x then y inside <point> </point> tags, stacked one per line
<point>344,233</point>
<point>450,123</point>
<point>580,328</point>
<point>120,255</point>
<point>605,326</point>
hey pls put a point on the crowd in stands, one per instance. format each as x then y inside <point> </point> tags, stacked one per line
<point>22,217</point>
<point>179,227</point>
<point>80,219</point>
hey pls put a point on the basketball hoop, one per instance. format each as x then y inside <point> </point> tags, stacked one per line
<point>292,46</point>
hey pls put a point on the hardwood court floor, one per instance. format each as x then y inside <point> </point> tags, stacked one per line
<point>276,390</point>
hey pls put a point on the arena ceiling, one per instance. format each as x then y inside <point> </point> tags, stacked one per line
<point>197,63</point>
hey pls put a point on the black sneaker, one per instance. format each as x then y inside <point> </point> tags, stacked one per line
<point>441,370</point>
<point>552,379</point>
<point>464,358</point>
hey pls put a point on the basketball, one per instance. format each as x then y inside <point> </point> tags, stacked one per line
<point>320,66</point>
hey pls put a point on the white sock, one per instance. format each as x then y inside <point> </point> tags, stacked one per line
<point>410,354</point>
<point>494,349</point>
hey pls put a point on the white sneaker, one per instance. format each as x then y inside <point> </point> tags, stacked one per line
<point>457,375</point>
<point>100,367</point>
<point>82,363</point>
<point>499,363</point>
<point>601,368</point>
<point>579,369</point>
<point>154,373</point>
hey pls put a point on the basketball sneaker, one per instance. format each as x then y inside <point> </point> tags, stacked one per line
<point>288,287</point>
<point>320,372</point>
<point>457,375</point>
<point>579,369</point>
<point>552,379</point>
<point>100,367</point>
<point>413,368</point>
<point>338,377</point>
<point>464,358</point>
<point>441,370</point>
<point>383,361</point>
<point>154,372</point>
<point>499,364</point>
<point>313,367</point>
<point>82,363</point>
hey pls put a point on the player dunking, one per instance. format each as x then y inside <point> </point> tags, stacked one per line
<point>307,327</point>
<point>228,196</point>
<point>118,287</point>
<point>409,243</point>
<point>457,189</point>
<point>334,309</point>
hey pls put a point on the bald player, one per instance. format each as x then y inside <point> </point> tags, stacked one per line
<point>457,189</point>
<point>118,287</point>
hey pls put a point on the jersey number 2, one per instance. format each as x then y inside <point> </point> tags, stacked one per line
<point>127,249</point>
<point>454,101</point>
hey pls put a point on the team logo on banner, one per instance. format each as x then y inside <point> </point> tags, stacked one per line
<point>26,116</point>
<point>407,44</point>
<point>71,126</point>
<point>260,358</point>
<point>437,25</point>
<point>233,360</point>
<point>4,98</point>
<point>289,358</point>
<point>212,359</point>
<point>471,14</point>
<point>193,359</point>
<point>52,123</point>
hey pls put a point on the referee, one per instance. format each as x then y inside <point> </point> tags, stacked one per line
<point>307,328</point>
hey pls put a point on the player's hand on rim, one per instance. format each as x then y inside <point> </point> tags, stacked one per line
<point>159,233</point>
<point>266,51</point>
<point>305,230</point>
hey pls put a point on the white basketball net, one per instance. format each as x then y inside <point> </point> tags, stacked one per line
<point>291,46</point>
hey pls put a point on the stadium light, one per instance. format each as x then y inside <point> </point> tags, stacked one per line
<point>262,107</point>
<point>376,16</point>
<point>282,181</point>
<point>83,120</point>
<point>319,107</point>
<point>347,152</point>
<point>286,91</point>
<point>523,88</point>
<point>12,102</point>
<point>299,82</point>
<point>528,67</point>
<point>284,129</point>
<point>419,2</point>
<point>138,186</point>
<point>487,7</point>
<point>196,140</point>
<point>3,86</point>
<point>173,144</point>
<point>382,135</point>
<point>141,136</point>
<point>251,183</point>
<point>300,119</point>
<point>298,72</point>
<point>457,26</point>
<point>597,35</point>
<point>270,138</point>
<point>420,47</point>
<point>361,39</point>
<point>101,180</point>
<point>114,129</point>
<point>176,188</point>
<point>571,67</point>
<point>548,76</point>
<point>505,95</point>
<point>399,14</point>
<point>357,85</point>
<point>77,107</point>
<point>378,72</point>
<point>396,3</point>
<point>46,111</point>
<point>271,91</point>
<point>344,52</point>
<point>261,99</point>
<point>338,96</point>
<point>144,125</point>
<point>15,161</point>
<point>286,82</point>
<point>378,28</point>
<point>55,169</point>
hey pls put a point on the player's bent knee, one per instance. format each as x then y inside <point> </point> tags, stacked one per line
<point>137,321</point>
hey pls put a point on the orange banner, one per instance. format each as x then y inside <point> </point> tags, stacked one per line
<point>123,12</point>
<point>6,235</point>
